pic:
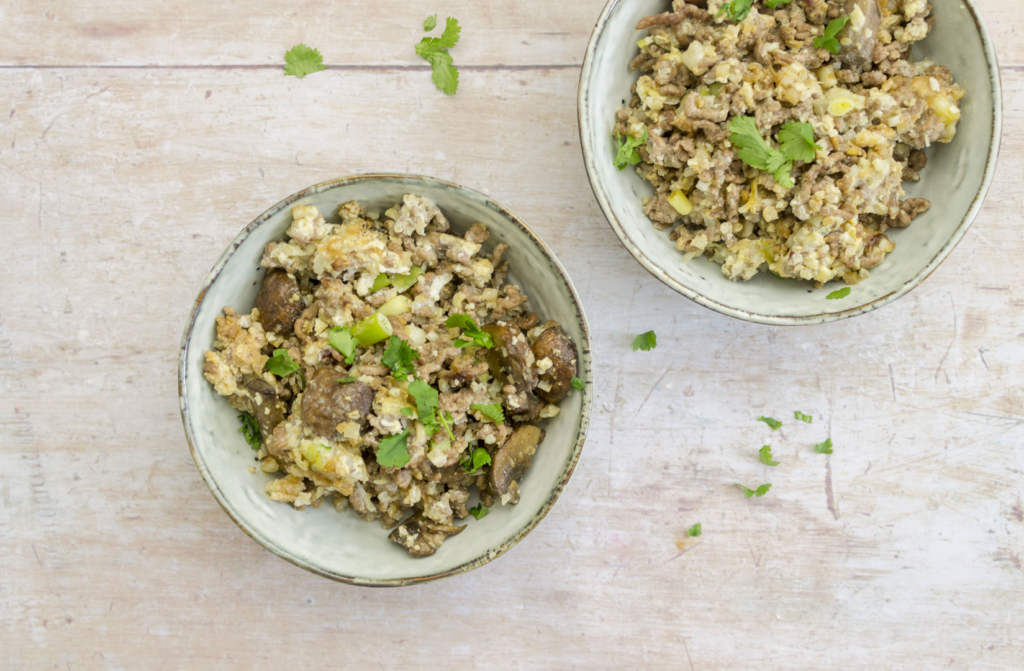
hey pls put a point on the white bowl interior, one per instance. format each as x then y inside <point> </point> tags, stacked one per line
<point>340,545</point>
<point>955,179</point>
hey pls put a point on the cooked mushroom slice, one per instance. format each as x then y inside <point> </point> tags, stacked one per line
<point>421,536</point>
<point>265,405</point>
<point>326,403</point>
<point>861,29</point>
<point>554,347</point>
<point>279,302</point>
<point>511,353</point>
<point>514,458</point>
<point>512,362</point>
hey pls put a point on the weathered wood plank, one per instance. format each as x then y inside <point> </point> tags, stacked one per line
<point>120,188</point>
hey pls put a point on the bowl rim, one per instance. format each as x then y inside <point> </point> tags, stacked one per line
<point>585,124</point>
<point>585,371</point>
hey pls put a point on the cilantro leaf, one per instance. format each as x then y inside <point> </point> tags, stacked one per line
<point>478,511</point>
<point>775,4</point>
<point>628,154</point>
<point>736,10</point>
<point>492,411</point>
<point>824,448</point>
<point>752,149</point>
<point>393,451</point>
<point>426,404</point>
<point>250,430</point>
<point>576,383</point>
<point>408,412</point>
<point>796,141</point>
<point>430,23</point>
<point>828,40</point>
<point>302,60</point>
<point>759,492</point>
<point>803,418</point>
<point>399,357</point>
<point>477,460</point>
<point>693,531</point>
<point>766,456</point>
<point>340,338</point>
<point>838,293</point>
<point>645,341</point>
<point>470,330</point>
<point>281,365</point>
<point>434,50</point>
<point>346,380</point>
<point>773,423</point>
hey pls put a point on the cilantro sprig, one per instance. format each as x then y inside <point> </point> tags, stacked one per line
<point>737,10</point>
<point>250,430</point>
<point>628,154</point>
<point>828,40</point>
<point>430,23</point>
<point>434,50</point>
<point>491,411</point>
<point>341,339</point>
<point>645,341</point>
<point>477,338</point>
<point>301,60</point>
<point>759,492</point>
<point>399,357</point>
<point>477,460</point>
<point>797,144</point>
<point>766,456</point>
<point>393,451</point>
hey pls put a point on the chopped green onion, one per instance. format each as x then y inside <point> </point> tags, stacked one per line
<point>405,282</point>
<point>372,330</point>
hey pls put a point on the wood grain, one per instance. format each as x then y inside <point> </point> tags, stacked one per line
<point>121,186</point>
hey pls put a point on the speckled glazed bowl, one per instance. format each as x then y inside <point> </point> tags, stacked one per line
<point>340,545</point>
<point>955,180</point>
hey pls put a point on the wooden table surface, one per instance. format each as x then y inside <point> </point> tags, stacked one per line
<point>137,137</point>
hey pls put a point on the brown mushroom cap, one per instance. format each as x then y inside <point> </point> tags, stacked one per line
<point>554,345</point>
<point>326,403</point>
<point>421,536</point>
<point>279,302</point>
<point>514,457</point>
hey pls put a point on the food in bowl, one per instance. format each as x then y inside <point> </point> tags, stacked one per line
<point>778,135</point>
<point>387,365</point>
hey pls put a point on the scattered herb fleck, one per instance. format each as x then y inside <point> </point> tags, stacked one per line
<point>824,448</point>
<point>737,10</point>
<point>470,330</point>
<point>759,492</point>
<point>341,339</point>
<point>576,383</point>
<point>478,511</point>
<point>838,293</point>
<point>694,531</point>
<point>302,60</point>
<point>773,423</point>
<point>491,411</point>
<point>281,365</point>
<point>766,456</point>
<point>645,341</point>
<point>477,460</point>
<point>431,23</point>
<point>828,41</point>
<point>434,50</point>
<point>628,154</point>
<point>803,418</point>
<point>399,357</point>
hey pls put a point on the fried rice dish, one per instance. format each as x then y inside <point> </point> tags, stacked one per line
<point>389,367</point>
<point>778,134</point>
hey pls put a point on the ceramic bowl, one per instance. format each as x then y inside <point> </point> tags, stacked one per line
<point>341,546</point>
<point>955,180</point>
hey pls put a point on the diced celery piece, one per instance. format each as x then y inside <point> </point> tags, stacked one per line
<point>398,305</point>
<point>372,330</point>
<point>405,282</point>
<point>680,202</point>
